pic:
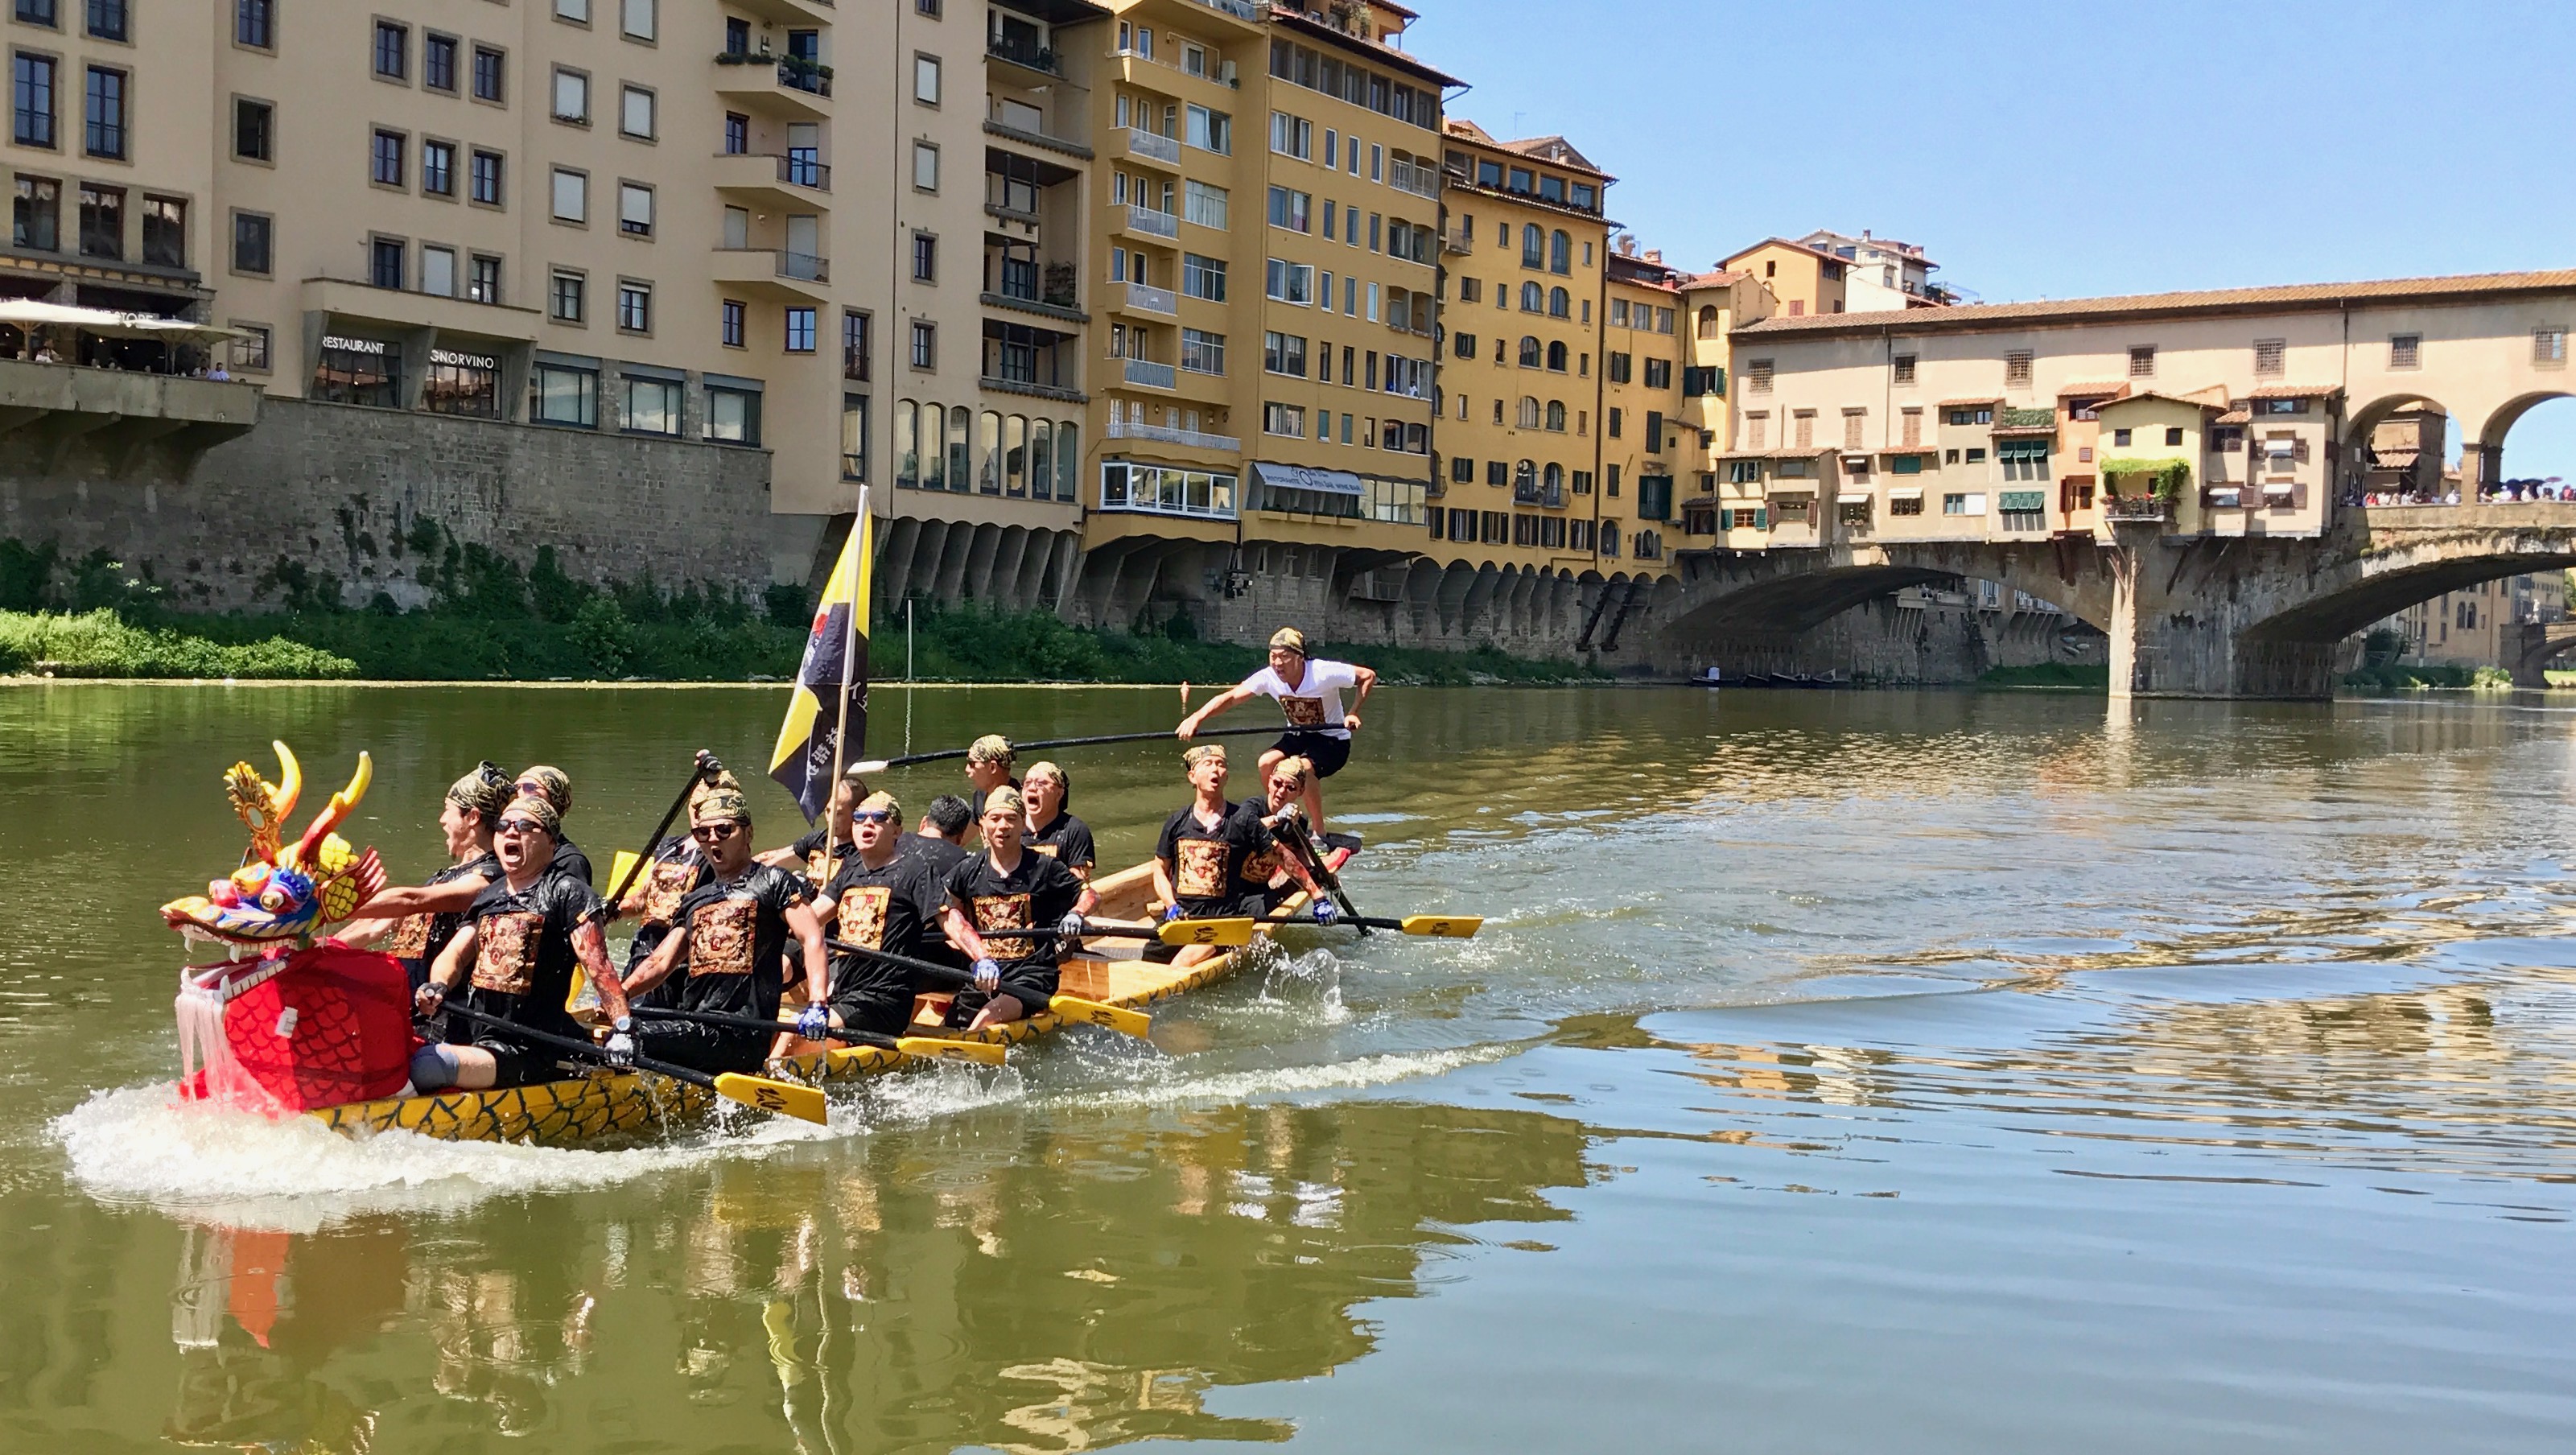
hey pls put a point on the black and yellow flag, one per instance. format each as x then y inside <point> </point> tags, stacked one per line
<point>827,718</point>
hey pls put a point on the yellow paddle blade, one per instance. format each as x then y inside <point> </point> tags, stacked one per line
<point>1092,1013</point>
<point>1444,926</point>
<point>621,870</point>
<point>804,1103</point>
<point>940,1048</point>
<point>1206,932</point>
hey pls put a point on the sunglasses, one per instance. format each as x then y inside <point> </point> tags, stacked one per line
<point>531,786</point>
<point>872,815</point>
<point>714,832</point>
<point>518,826</point>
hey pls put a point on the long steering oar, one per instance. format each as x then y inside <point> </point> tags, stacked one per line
<point>702,768</point>
<point>929,1048</point>
<point>1068,1007</point>
<point>1304,848</point>
<point>907,760</point>
<point>1433,926</point>
<point>784,1098</point>
<point>1229,931</point>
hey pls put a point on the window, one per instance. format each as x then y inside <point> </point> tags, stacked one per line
<point>438,168</point>
<point>1211,131</point>
<point>1757,376</point>
<point>1203,277</point>
<point>438,271</point>
<point>1283,353</point>
<point>2549,346</point>
<point>385,258</point>
<point>1560,252</point>
<point>107,20</point>
<point>2017,369</point>
<point>1559,303</point>
<point>2405,351</point>
<point>1530,354</point>
<point>484,182</point>
<point>567,296</point>
<point>635,307</point>
<point>1203,352</point>
<point>737,134</point>
<point>1904,368</point>
<point>1659,373</point>
<point>2142,361</point>
<point>2173,436</point>
<point>255,24</point>
<point>634,209</point>
<point>1283,419</point>
<point>1910,505</point>
<point>637,20</point>
<point>635,112</point>
<point>2120,437</point>
<point>254,130</point>
<point>925,79</point>
<point>104,113</point>
<point>438,62</point>
<point>1972,416</point>
<point>800,330</point>
<point>1971,503</point>
<point>652,406</point>
<point>925,257</point>
<point>856,352</point>
<point>1855,428</point>
<point>488,74</point>
<point>1533,299</point>
<point>31,88</point>
<point>1619,368</point>
<point>1290,282</point>
<point>253,238</point>
<point>393,51</point>
<point>733,418</point>
<point>558,394</point>
<point>576,11</point>
<point>1533,242</point>
<point>1556,355</point>
<point>2281,406</point>
<point>2268,360</point>
<point>925,166</point>
<point>1292,136</point>
<point>572,96</point>
<point>35,219</point>
<point>925,344</point>
<point>251,350</point>
<point>385,159</point>
<point>1556,415</point>
<point>1291,209</point>
<point>730,320</point>
<point>1203,205</point>
<point>1463,345</point>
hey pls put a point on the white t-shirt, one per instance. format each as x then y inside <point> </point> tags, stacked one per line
<point>1313,705</point>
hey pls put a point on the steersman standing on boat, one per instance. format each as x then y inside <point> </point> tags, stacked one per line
<point>521,938</point>
<point>1309,692</point>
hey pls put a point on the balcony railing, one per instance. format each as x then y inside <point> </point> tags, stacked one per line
<point>793,71</point>
<point>1459,239</point>
<point>1128,429</point>
<point>798,170</point>
<point>1157,148</point>
<point>2134,507</point>
<point>805,266</point>
<point>1239,9</point>
<point>1144,298</point>
<point>2026,418</point>
<point>1020,53</point>
<point>1154,224</point>
<point>1421,181</point>
<point>1145,373</point>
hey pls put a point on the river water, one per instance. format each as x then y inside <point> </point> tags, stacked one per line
<point>1836,1072</point>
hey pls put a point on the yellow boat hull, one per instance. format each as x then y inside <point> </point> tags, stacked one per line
<point>605,1103</point>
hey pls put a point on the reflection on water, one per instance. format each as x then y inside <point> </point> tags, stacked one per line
<point>1887,1071</point>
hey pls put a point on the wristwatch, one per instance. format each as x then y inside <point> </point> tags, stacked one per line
<point>622,1024</point>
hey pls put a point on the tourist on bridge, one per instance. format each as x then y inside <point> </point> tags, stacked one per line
<point>1309,692</point>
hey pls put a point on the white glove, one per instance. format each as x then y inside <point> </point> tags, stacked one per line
<point>1070,927</point>
<point>620,1049</point>
<point>988,975</point>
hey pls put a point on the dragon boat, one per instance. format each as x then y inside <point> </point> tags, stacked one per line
<point>604,1102</point>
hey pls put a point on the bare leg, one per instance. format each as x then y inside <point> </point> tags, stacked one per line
<point>997,1010</point>
<point>1195,954</point>
<point>1314,799</point>
<point>1269,760</point>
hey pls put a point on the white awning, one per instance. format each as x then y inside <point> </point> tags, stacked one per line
<point>2280,489</point>
<point>1906,492</point>
<point>2222,498</point>
<point>30,313</point>
<point>1307,477</point>
<point>1855,497</point>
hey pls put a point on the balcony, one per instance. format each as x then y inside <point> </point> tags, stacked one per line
<point>792,183</point>
<point>1023,53</point>
<point>791,12</point>
<point>1144,298</point>
<point>68,399</point>
<point>1421,181</point>
<point>1145,146</point>
<point>1458,239</point>
<point>2026,419</point>
<point>798,89</point>
<point>1046,140</point>
<point>2149,508</point>
<point>1243,10</point>
<point>1148,222</point>
<point>1128,429</point>
<point>775,273</point>
<point>1146,374</point>
<point>348,298</point>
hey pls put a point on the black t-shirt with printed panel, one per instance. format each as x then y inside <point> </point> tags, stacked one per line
<point>1206,863</point>
<point>523,954</point>
<point>676,868</point>
<point>418,938</point>
<point>569,859</point>
<point>1066,839</point>
<point>738,941</point>
<point>809,852</point>
<point>894,909</point>
<point>1036,895</point>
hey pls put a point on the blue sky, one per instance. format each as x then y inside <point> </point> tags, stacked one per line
<point>2057,152</point>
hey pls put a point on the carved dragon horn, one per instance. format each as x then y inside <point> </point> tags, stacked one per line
<point>332,813</point>
<point>262,807</point>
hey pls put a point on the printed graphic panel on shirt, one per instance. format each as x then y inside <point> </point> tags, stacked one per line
<point>863,916</point>
<point>505,952</point>
<point>410,939</point>
<point>720,937</point>
<point>1304,712</point>
<point>1199,872</point>
<point>1001,912</point>
<point>663,892</point>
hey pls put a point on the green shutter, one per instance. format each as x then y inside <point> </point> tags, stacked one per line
<point>2021,500</point>
<point>1762,517</point>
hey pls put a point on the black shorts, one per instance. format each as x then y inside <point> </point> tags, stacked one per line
<point>883,1009</point>
<point>517,1064</point>
<point>1031,985</point>
<point>711,1049</point>
<point>1326,752</point>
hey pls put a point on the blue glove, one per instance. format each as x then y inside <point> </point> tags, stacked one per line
<point>1070,927</point>
<point>812,1022</point>
<point>1326,912</point>
<point>1171,912</point>
<point>988,976</point>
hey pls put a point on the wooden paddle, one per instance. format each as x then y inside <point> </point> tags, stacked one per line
<point>1069,1007</point>
<point>1297,843</point>
<point>783,1098</point>
<point>928,1048</point>
<point>702,768</point>
<point>1435,926</point>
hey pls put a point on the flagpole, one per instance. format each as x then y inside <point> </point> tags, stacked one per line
<point>849,649</point>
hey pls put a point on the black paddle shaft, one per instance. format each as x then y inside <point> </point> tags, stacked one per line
<point>908,759</point>
<point>945,976</point>
<point>1304,847</point>
<point>753,1023</point>
<point>514,1031</point>
<point>704,769</point>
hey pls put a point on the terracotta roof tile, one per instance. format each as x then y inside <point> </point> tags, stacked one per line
<point>2016,430</point>
<point>2146,394</point>
<point>2090,390</point>
<point>2296,391</point>
<point>1971,399</point>
<point>2234,416</point>
<point>1971,316</point>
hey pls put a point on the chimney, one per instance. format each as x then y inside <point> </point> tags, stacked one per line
<point>1655,256</point>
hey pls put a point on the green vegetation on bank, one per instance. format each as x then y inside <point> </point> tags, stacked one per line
<point>2049,674</point>
<point>488,619</point>
<point>2391,677</point>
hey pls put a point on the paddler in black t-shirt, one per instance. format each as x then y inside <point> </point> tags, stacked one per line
<point>555,787</point>
<point>732,931</point>
<point>675,868</point>
<point>805,856</point>
<point>413,925</point>
<point>988,766</point>
<point>1052,831</point>
<point>883,900</point>
<point>1007,887</point>
<point>1198,861</point>
<point>1265,881</point>
<point>521,938</point>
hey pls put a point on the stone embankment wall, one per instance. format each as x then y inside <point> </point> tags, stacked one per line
<point>343,491</point>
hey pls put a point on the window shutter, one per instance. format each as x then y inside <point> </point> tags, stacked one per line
<point>1762,517</point>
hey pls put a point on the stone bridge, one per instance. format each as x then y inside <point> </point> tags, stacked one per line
<point>2187,616</point>
<point>2529,647</point>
